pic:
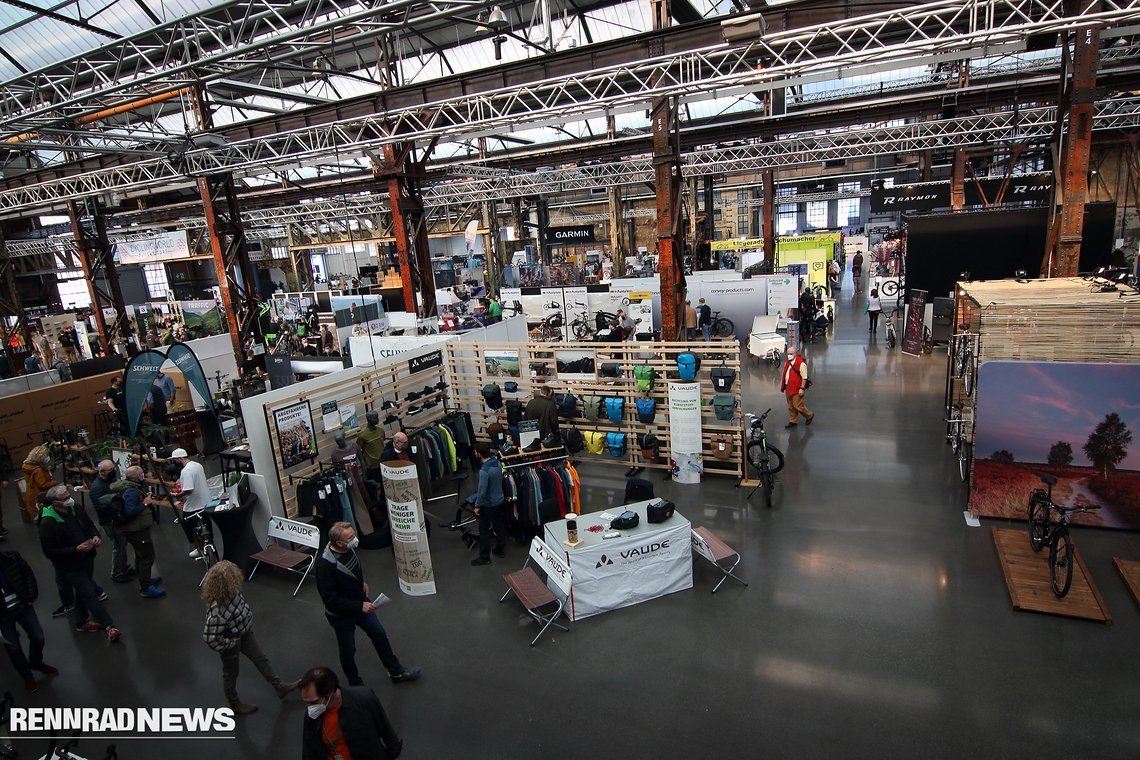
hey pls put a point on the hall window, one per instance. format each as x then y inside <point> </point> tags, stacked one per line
<point>786,219</point>
<point>848,215</point>
<point>157,283</point>
<point>817,214</point>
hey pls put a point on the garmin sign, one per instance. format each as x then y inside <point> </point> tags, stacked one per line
<point>580,233</point>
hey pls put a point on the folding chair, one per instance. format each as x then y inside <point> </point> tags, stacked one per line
<point>280,532</point>
<point>706,544</point>
<point>638,489</point>
<point>533,593</point>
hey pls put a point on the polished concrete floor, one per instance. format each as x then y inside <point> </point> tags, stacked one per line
<point>876,624</point>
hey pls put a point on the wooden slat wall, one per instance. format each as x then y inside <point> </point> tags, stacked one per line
<point>468,375</point>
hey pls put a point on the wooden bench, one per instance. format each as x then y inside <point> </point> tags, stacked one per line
<point>533,593</point>
<point>707,545</point>
<point>283,531</point>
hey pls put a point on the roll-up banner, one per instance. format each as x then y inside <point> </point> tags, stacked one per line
<point>140,374</point>
<point>915,316</point>
<point>685,432</point>
<point>187,363</point>
<point>409,533</point>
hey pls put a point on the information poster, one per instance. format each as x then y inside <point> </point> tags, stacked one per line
<point>685,432</point>
<point>348,418</point>
<point>915,316</point>
<point>782,295</point>
<point>330,416</point>
<point>295,439</point>
<point>409,534</point>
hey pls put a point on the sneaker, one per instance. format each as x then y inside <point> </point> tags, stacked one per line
<point>150,592</point>
<point>405,675</point>
<point>809,419</point>
<point>46,669</point>
<point>62,610</point>
<point>535,445</point>
<point>102,596</point>
<point>243,708</point>
<point>89,627</point>
<point>195,554</point>
<point>481,561</point>
<point>113,633</point>
<point>789,426</point>
<point>284,687</point>
<point>30,686</point>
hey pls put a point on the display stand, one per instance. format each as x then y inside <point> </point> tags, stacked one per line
<point>1027,578</point>
<point>468,370</point>
<point>1130,571</point>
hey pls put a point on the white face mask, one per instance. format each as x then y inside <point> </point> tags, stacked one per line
<point>355,542</point>
<point>317,710</point>
<point>69,503</point>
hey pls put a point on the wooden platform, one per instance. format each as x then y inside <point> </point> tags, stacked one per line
<point>1027,578</point>
<point>1130,572</point>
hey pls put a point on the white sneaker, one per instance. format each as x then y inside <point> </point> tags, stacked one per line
<point>195,554</point>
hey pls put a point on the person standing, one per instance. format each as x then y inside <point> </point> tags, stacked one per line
<point>489,508</point>
<point>229,632</point>
<point>397,448</point>
<point>340,582</point>
<point>807,313</point>
<point>690,321</point>
<point>117,403</point>
<point>38,477</point>
<point>70,541</point>
<point>496,308</point>
<point>793,383</point>
<point>543,408</point>
<point>194,492</point>
<point>344,723</point>
<point>833,277</point>
<point>166,383</point>
<point>704,319</point>
<point>328,343</point>
<point>874,308</point>
<point>18,592</point>
<point>33,363</point>
<point>856,270</point>
<point>100,492</point>
<point>139,516</point>
<point>156,402</point>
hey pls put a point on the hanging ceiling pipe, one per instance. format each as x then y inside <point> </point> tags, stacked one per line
<point>108,112</point>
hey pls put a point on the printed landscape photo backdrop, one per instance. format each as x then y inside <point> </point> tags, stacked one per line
<point>1076,421</point>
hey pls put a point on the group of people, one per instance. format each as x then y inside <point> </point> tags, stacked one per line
<point>698,319</point>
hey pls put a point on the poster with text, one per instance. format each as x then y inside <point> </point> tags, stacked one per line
<point>912,333</point>
<point>295,439</point>
<point>409,534</point>
<point>783,294</point>
<point>685,432</point>
<point>330,416</point>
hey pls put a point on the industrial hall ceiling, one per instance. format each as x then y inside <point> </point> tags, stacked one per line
<point>129,101</point>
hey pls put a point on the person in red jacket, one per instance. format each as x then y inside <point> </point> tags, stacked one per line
<point>793,382</point>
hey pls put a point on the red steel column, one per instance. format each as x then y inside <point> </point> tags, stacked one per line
<point>97,260</point>
<point>1075,163</point>
<point>667,177</point>
<point>409,229</point>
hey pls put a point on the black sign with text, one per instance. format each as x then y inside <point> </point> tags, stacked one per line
<point>1033,187</point>
<point>915,317</point>
<point>427,361</point>
<point>579,233</point>
<point>922,197</point>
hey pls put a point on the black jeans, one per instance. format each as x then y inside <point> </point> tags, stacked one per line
<point>141,542</point>
<point>25,617</point>
<point>231,664</point>
<point>492,518</point>
<point>345,628</point>
<point>65,588</point>
<point>874,317</point>
<point>86,597</point>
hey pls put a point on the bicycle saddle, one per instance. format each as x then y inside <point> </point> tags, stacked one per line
<point>1048,480</point>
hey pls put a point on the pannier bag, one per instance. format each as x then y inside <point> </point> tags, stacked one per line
<point>496,433</point>
<point>615,442</point>
<point>493,396</point>
<point>574,440</point>
<point>595,441</point>
<point>514,412</point>
<point>646,409</point>
<point>723,405</point>
<point>510,386</point>
<point>644,375</point>
<point>659,511</point>
<point>591,407</point>
<point>625,521</point>
<point>611,369</point>
<point>567,405</point>
<point>687,365</point>
<point>614,408</point>
<point>650,447</point>
<point>722,378</point>
<point>722,446</point>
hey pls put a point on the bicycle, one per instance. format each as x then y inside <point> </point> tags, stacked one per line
<point>964,359</point>
<point>1055,535</point>
<point>581,326</point>
<point>957,427</point>
<point>761,455</point>
<point>722,327</point>
<point>203,540</point>
<point>892,336</point>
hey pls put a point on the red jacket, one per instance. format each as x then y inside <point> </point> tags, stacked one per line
<point>792,381</point>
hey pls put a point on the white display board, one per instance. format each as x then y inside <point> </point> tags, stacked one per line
<point>783,294</point>
<point>685,431</point>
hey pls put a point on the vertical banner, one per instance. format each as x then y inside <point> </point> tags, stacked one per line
<point>915,317</point>
<point>83,343</point>
<point>685,432</point>
<point>409,534</point>
<point>187,363</point>
<point>140,374</point>
<point>295,438</point>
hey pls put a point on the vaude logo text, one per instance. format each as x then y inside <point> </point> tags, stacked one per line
<point>603,561</point>
<point>95,720</point>
<point>646,550</point>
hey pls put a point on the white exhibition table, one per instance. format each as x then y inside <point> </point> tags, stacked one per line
<point>644,563</point>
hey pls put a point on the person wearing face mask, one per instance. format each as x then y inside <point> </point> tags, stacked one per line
<point>340,582</point>
<point>344,723</point>
<point>397,448</point>
<point>100,492</point>
<point>69,540</point>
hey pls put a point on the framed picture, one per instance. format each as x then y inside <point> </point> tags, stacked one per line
<point>502,363</point>
<point>575,365</point>
<point>295,439</point>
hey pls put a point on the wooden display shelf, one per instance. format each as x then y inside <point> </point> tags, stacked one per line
<point>1130,571</point>
<point>1027,578</point>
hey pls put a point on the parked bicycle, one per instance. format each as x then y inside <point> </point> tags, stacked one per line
<point>1055,535</point>
<point>722,327</point>
<point>892,336</point>
<point>203,541</point>
<point>957,434</point>
<point>763,456</point>
<point>964,358</point>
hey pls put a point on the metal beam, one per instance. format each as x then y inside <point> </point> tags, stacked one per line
<point>95,256</point>
<point>667,182</point>
<point>410,229</point>
<point>11,306</point>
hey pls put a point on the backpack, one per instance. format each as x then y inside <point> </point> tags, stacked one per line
<point>514,413</point>
<point>595,441</point>
<point>687,365</point>
<point>574,440</point>
<point>591,407</point>
<point>615,442</point>
<point>646,409</point>
<point>493,396</point>
<point>610,369</point>
<point>644,376</point>
<point>567,405</point>
<point>115,509</point>
<point>650,447</point>
<point>723,378</point>
<point>722,446</point>
<point>614,408</point>
<point>723,405</point>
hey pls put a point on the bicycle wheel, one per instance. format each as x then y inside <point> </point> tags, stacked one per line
<point>756,451</point>
<point>954,434</point>
<point>465,519</point>
<point>891,340</point>
<point>965,461</point>
<point>581,330</point>
<point>960,357</point>
<point>968,380</point>
<point>210,555</point>
<point>1061,562</point>
<point>890,288</point>
<point>768,482</point>
<point>724,328</point>
<point>1038,521</point>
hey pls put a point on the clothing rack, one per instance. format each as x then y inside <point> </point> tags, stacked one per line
<point>530,462</point>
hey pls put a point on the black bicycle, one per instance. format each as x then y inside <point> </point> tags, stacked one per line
<point>958,429</point>
<point>964,358</point>
<point>722,327</point>
<point>1055,535</point>
<point>766,458</point>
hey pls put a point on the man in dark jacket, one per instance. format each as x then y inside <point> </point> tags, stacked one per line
<point>69,540</point>
<point>344,722</point>
<point>544,409</point>
<point>18,591</point>
<point>139,514</point>
<point>489,505</point>
<point>100,492</point>
<point>704,319</point>
<point>340,581</point>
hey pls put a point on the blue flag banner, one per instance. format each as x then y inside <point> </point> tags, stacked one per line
<point>187,363</point>
<point>140,374</point>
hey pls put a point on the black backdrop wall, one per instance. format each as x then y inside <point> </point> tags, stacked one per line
<point>993,245</point>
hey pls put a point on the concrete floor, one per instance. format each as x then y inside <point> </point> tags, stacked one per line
<point>877,624</point>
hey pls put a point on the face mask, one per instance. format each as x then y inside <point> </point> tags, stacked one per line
<point>69,503</point>
<point>355,542</point>
<point>317,710</point>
